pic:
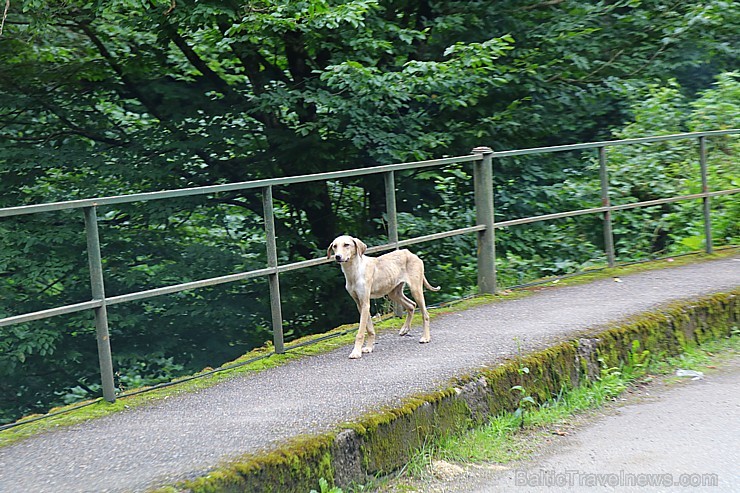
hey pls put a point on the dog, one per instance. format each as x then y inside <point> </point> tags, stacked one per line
<point>374,277</point>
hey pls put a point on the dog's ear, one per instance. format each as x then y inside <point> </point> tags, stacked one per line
<point>328,251</point>
<point>361,247</point>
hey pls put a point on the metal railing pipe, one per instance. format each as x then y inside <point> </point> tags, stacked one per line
<point>333,175</point>
<point>51,312</point>
<point>606,143</point>
<point>227,187</point>
<point>186,286</point>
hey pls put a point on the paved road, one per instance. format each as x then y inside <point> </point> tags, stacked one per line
<point>679,437</point>
<point>184,437</point>
<point>686,439</point>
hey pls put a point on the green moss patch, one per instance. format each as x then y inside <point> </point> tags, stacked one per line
<point>298,465</point>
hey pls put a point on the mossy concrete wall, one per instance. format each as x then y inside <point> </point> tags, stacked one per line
<point>382,442</point>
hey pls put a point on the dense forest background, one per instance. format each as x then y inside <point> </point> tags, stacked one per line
<point>114,97</point>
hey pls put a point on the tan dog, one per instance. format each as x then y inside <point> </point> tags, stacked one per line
<point>375,277</point>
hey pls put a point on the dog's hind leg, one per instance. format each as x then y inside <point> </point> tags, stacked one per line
<point>397,295</point>
<point>417,291</point>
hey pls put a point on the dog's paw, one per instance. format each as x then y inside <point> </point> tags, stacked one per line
<point>404,331</point>
<point>367,350</point>
<point>424,340</point>
<point>355,355</point>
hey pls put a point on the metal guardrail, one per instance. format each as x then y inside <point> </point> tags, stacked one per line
<point>485,227</point>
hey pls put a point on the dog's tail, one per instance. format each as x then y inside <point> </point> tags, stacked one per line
<point>429,286</point>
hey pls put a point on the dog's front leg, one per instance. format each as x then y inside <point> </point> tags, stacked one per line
<point>370,341</point>
<point>364,308</point>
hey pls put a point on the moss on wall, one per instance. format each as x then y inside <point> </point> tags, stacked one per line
<point>295,466</point>
<point>383,441</point>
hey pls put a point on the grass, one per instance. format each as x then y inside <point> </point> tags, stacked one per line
<point>503,440</point>
<point>264,358</point>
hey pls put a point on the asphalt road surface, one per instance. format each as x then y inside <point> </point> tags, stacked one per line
<point>684,436</point>
<point>687,439</point>
<point>185,436</point>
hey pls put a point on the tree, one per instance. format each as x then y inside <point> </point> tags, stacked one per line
<point>671,168</point>
<point>105,98</point>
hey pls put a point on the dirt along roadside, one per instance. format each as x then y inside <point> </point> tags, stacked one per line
<point>673,434</point>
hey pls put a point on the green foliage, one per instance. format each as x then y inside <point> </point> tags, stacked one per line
<point>525,399</point>
<point>653,171</point>
<point>108,98</point>
<point>325,488</point>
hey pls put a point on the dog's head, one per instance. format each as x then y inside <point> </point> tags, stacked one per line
<point>344,247</point>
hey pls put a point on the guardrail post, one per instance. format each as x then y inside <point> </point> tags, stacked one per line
<point>101,313</point>
<point>390,207</point>
<point>483,187</point>
<point>606,202</point>
<point>272,262</point>
<point>391,217</point>
<point>706,201</point>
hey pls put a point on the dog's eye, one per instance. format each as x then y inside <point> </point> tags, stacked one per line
<point>347,245</point>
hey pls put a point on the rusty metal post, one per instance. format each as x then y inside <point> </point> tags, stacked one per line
<point>101,313</point>
<point>483,187</point>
